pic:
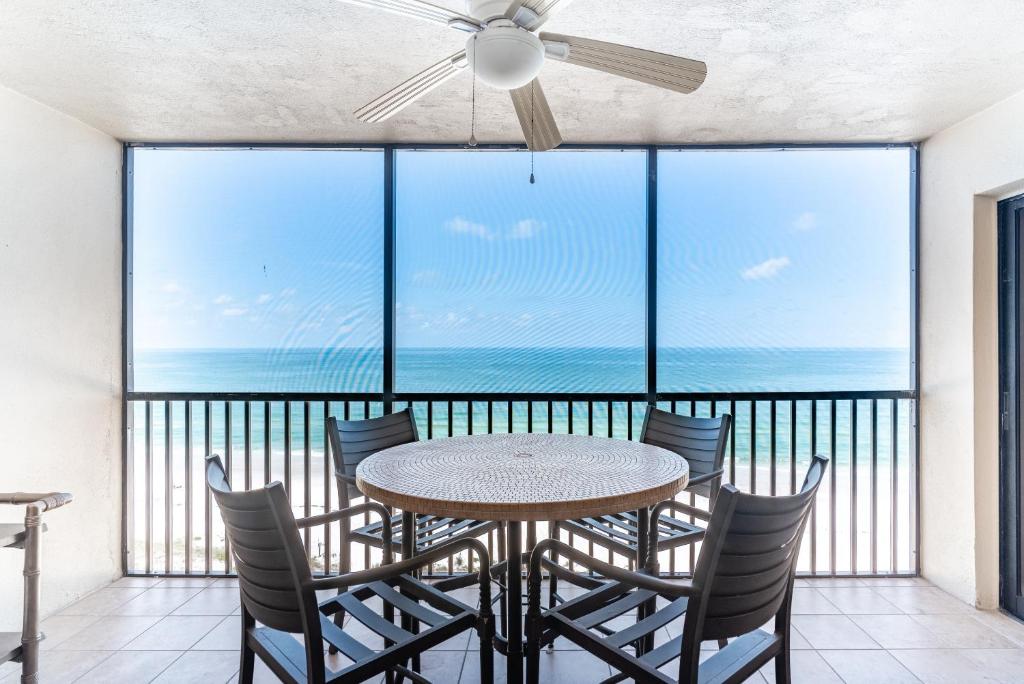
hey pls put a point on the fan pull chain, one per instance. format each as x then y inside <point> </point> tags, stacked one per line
<point>533,130</point>
<point>472,120</point>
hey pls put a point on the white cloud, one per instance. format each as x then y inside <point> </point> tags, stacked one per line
<point>223,299</point>
<point>172,287</point>
<point>425,277</point>
<point>524,230</point>
<point>235,311</point>
<point>264,298</point>
<point>769,268</point>
<point>464,227</point>
<point>288,292</point>
<point>806,221</point>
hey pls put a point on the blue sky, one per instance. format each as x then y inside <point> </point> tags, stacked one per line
<point>756,249</point>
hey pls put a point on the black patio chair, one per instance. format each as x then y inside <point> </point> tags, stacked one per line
<point>743,579</point>
<point>354,440</point>
<point>701,441</point>
<point>278,594</point>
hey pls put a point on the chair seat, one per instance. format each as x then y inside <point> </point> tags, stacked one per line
<point>584,621</point>
<point>440,616</point>
<point>619,532</point>
<point>430,529</point>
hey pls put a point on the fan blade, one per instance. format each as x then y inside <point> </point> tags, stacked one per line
<point>539,12</point>
<point>539,127</point>
<point>656,68</point>
<point>407,92</point>
<point>422,10</point>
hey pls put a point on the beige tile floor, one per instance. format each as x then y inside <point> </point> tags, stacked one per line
<point>849,630</point>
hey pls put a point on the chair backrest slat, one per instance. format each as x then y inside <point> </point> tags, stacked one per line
<point>354,440</point>
<point>758,541</point>
<point>267,549</point>
<point>701,441</point>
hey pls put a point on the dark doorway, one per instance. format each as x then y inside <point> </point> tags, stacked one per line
<point>1011,455</point>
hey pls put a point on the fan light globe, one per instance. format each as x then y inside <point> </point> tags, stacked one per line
<point>505,56</point>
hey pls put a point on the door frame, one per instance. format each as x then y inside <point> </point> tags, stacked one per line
<point>1011,336</point>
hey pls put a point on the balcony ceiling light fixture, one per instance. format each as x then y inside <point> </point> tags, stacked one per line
<point>505,51</point>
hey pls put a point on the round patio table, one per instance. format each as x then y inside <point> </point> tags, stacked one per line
<point>522,477</point>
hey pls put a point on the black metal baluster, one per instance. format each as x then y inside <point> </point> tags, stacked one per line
<point>732,442</point>
<point>288,449</point>
<point>247,441</point>
<point>753,447</point>
<point>874,486</point>
<point>149,487</point>
<point>268,449</point>
<point>430,420</point>
<point>792,447</point>
<point>188,487</point>
<point>894,453</point>
<point>853,485</point>
<point>168,487</point>
<point>307,476</point>
<point>227,464</point>
<point>814,509</point>
<point>328,479</point>
<point>832,487</point>
<point>772,447</point>
<point>208,522</point>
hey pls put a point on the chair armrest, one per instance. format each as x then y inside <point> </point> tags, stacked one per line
<point>639,580</point>
<point>345,513</point>
<point>656,512</point>
<point>706,477</point>
<point>678,507</point>
<point>347,478</point>
<point>428,557</point>
<point>46,502</point>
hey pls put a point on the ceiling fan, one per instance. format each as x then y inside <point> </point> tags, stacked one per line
<point>505,51</point>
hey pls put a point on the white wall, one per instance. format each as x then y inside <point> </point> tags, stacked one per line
<point>60,358</point>
<point>965,170</point>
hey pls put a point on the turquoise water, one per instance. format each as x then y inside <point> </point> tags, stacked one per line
<point>546,370</point>
<point>521,370</point>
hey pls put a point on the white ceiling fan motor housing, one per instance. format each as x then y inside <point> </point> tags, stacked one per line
<point>487,9</point>
<point>505,56</point>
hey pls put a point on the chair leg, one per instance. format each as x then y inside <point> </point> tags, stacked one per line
<point>783,670</point>
<point>552,578</point>
<point>503,595</point>
<point>533,633</point>
<point>248,656</point>
<point>487,654</point>
<point>344,567</point>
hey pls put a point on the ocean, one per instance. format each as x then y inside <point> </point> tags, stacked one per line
<point>520,370</point>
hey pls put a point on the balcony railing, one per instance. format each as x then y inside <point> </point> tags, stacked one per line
<point>864,523</point>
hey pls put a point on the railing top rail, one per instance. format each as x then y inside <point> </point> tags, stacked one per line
<point>523,396</point>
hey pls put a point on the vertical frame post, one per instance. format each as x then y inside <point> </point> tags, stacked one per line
<point>127,371</point>
<point>389,278</point>
<point>915,353</point>
<point>651,342</point>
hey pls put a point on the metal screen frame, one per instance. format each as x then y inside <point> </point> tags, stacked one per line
<point>388,395</point>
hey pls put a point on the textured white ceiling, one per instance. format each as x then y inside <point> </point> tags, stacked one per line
<point>294,70</point>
